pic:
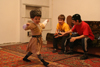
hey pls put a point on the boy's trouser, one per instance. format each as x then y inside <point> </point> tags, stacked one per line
<point>84,42</point>
<point>63,42</point>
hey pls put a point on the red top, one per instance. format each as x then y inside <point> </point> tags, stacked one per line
<point>83,29</point>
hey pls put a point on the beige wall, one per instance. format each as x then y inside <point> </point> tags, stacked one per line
<point>88,9</point>
<point>10,14</point>
<point>9,21</point>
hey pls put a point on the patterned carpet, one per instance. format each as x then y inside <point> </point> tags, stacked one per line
<point>11,56</point>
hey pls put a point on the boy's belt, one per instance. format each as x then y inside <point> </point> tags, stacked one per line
<point>37,36</point>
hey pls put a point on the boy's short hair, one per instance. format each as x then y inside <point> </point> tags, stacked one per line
<point>34,13</point>
<point>76,17</point>
<point>61,17</point>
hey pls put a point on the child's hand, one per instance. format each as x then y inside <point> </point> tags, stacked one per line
<point>27,24</point>
<point>62,33</point>
<point>55,34</point>
<point>24,26</point>
<point>47,20</point>
<point>58,36</point>
<point>72,39</point>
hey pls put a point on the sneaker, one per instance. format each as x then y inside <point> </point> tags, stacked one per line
<point>54,51</point>
<point>61,52</point>
<point>26,60</point>
<point>83,57</point>
<point>69,52</point>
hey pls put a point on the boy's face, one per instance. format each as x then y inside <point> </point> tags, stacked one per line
<point>36,19</point>
<point>75,22</point>
<point>61,21</point>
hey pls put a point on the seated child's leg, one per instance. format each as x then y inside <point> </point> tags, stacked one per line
<point>63,44</point>
<point>55,40</point>
<point>71,45</point>
<point>55,46</point>
<point>85,42</point>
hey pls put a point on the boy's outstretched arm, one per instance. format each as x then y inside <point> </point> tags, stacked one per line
<point>27,26</point>
<point>45,22</point>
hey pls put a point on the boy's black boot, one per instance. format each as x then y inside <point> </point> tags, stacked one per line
<point>25,58</point>
<point>44,62</point>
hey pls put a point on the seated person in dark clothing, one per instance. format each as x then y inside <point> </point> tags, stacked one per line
<point>85,35</point>
<point>61,27</point>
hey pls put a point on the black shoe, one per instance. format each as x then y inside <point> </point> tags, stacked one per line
<point>83,57</point>
<point>61,52</point>
<point>26,60</point>
<point>54,51</point>
<point>69,52</point>
<point>65,52</point>
<point>45,63</point>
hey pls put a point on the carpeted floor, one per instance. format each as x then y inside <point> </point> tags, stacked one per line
<point>11,56</point>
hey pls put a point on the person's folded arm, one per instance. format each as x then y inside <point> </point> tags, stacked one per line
<point>64,33</point>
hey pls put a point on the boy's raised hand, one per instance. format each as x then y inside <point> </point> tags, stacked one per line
<point>25,25</point>
<point>47,20</point>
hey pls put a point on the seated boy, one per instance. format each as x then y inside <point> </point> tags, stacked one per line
<point>61,27</point>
